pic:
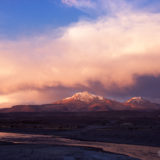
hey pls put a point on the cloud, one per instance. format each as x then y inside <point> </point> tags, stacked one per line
<point>112,7</point>
<point>80,3</point>
<point>100,7</point>
<point>107,52</point>
<point>145,85</point>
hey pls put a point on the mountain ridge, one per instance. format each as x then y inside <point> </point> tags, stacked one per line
<point>86,102</point>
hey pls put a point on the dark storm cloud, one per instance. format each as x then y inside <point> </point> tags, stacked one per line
<point>145,85</point>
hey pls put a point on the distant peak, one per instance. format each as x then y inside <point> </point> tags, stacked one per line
<point>86,97</point>
<point>137,100</point>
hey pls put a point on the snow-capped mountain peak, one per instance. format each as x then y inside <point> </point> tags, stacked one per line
<point>85,97</point>
<point>138,100</point>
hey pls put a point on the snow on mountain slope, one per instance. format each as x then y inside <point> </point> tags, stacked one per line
<point>83,97</point>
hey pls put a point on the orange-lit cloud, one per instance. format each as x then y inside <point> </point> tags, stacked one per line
<point>110,50</point>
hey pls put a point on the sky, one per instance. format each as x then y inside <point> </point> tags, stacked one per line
<point>50,49</point>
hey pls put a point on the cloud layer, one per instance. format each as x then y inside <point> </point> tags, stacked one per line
<point>109,51</point>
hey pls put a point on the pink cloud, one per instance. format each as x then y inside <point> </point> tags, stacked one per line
<point>108,50</point>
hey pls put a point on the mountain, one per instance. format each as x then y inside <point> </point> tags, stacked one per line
<point>82,97</point>
<point>86,102</point>
<point>139,103</point>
